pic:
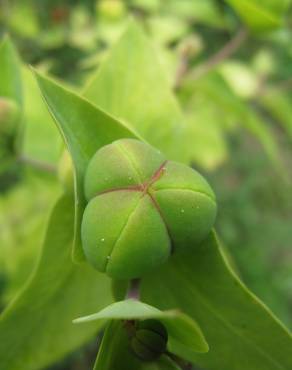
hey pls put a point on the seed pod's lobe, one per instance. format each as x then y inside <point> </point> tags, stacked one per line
<point>124,163</point>
<point>187,204</point>
<point>141,207</point>
<point>121,233</point>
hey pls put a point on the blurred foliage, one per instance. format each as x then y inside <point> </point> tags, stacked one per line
<point>24,212</point>
<point>234,87</point>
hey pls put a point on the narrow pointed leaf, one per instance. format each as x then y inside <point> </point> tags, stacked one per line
<point>85,129</point>
<point>242,333</point>
<point>184,334</point>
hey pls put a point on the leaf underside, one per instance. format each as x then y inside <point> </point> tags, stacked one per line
<point>184,334</point>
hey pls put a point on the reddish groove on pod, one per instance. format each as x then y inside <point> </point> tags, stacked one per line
<point>144,189</point>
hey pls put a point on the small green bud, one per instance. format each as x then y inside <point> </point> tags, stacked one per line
<point>150,340</point>
<point>9,114</point>
<point>141,208</point>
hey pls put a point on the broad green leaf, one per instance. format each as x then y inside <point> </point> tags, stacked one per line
<point>242,333</point>
<point>36,328</point>
<point>85,128</point>
<point>132,86</point>
<point>183,332</point>
<point>261,15</point>
<point>10,77</point>
<point>115,353</point>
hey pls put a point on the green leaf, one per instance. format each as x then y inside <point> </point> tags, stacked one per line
<point>132,86</point>
<point>36,329</point>
<point>184,334</point>
<point>242,333</point>
<point>115,353</point>
<point>261,15</point>
<point>10,76</point>
<point>85,128</point>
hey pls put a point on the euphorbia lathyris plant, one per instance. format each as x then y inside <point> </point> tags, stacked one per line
<point>202,313</point>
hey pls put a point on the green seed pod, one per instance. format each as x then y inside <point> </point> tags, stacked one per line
<point>141,208</point>
<point>150,340</point>
<point>9,114</point>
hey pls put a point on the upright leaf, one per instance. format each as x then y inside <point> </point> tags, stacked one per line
<point>85,128</point>
<point>36,329</point>
<point>242,333</point>
<point>132,86</point>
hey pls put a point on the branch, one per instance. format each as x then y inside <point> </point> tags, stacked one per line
<point>265,87</point>
<point>37,164</point>
<point>228,49</point>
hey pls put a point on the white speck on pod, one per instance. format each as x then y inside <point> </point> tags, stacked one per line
<point>102,240</point>
<point>182,211</point>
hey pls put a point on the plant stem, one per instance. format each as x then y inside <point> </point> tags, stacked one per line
<point>134,289</point>
<point>37,164</point>
<point>225,52</point>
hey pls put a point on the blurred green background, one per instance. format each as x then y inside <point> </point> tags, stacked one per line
<point>235,91</point>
